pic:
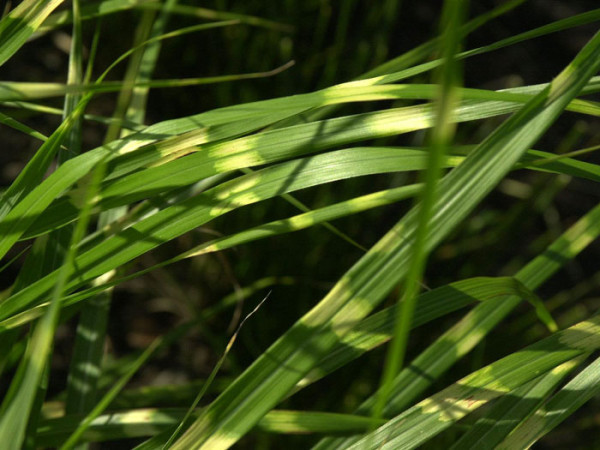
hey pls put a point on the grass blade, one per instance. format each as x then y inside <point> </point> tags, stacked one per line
<point>262,385</point>
<point>508,411</point>
<point>582,388</point>
<point>469,331</point>
<point>436,413</point>
<point>441,136</point>
<point>18,25</point>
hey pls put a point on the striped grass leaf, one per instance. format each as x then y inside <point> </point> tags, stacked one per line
<point>150,421</point>
<point>69,173</point>
<point>372,331</point>
<point>275,373</point>
<point>296,223</point>
<point>308,219</point>
<point>377,329</point>
<point>49,252</point>
<point>367,334</point>
<point>471,329</point>
<point>23,213</point>
<point>183,172</point>
<point>36,168</point>
<point>18,25</point>
<point>362,91</point>
<point>436,413</point>
<point>572,396</point>
<point>400,68</point>
<point>83,382</point>
<point>509,410</point>
<point>544,161</point>
<point>187,215</point>
<point>292,224</point>
<point>219,157</point>
<point>127,168</point>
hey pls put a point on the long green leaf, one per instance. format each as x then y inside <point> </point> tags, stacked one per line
<point>377,329</point>
<point>582,388</point>
<point>468,332</point>
<point>271,377</point>
<point>220,157</point>
<point>506,412</point>
<point>20,23</point>
<point>436,413</point>
<point>187,215</point>
<point>150,421</point>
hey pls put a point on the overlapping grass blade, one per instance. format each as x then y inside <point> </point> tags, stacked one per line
<point>220,157</point>
<point>563,165</point>
<point>537,160</point>
<point>17,26</point>
<point>187,215</point>
<point>116,388</point>
<point>148,422</point>
<point>469,331</point>
<point>377,329</point>
<point>582,388</point>
<point>506,412</point>
<point>35,169</point>
<point>272,376</point>
<point>86,363</point>
<point>307,219</point>
<point>24,392</point>
<point>49,252</point>
<point>436,413</point>
<point>177,170</point>
<point>33,173</point>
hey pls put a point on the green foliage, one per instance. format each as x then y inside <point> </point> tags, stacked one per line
<point>352,151</point>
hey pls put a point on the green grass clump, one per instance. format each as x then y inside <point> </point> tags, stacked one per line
<point>370,198</point>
